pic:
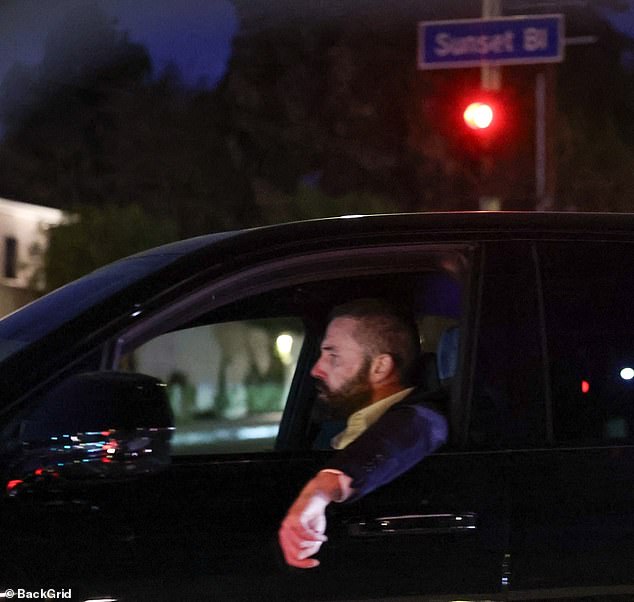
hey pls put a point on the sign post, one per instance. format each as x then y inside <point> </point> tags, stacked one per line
<point>489,43</point>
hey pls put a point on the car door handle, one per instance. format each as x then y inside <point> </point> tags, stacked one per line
<point>414,524</point>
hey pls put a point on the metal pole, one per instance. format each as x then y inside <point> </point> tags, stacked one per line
<point>490,79</point>
<point>545,171</point>
<point>490,75</point>
<point>540,140</point>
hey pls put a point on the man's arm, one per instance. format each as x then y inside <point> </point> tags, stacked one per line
<point>402,437</point>
<point>302,531</point>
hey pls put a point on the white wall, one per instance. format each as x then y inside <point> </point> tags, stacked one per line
<point>27,224</point>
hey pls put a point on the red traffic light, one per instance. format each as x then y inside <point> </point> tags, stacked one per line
<point>478,115</point>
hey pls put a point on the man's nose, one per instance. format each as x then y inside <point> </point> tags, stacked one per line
<point>316,371</point>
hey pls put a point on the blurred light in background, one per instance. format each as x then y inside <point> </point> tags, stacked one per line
<point>284,346</point>
<point>627,374</point>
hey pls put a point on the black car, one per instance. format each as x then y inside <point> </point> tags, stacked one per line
<point>158,416</point>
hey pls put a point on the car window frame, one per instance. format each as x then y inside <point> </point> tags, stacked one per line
<point>288,271</point>
<point>456,258</point>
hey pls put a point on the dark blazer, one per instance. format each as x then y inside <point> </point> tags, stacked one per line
<point>408,431</point>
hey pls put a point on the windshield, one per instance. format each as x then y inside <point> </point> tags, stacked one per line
<point>51,311</point>
<point>48,313</point>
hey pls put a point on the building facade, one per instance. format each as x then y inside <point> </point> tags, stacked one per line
<point>23,239</point>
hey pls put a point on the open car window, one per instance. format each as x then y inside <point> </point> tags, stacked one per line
<point>227,383</point>
<point>238,376</point>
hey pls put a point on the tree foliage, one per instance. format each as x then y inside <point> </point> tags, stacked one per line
<point>342,98</point>
<point>106,130</point>
<point>309,202</point>
<point>315,117</point>
<point>96,236</point>
<point>595,129</point>
<point>343,103</point>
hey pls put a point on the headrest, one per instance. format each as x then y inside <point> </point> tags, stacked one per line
<point>447,353</point>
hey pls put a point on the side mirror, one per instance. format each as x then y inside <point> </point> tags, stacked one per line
<point>96,425</point>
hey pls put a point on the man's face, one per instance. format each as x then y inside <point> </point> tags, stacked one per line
<point>342,370</point>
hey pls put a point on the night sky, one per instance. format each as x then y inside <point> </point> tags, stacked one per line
<point>193,34</point>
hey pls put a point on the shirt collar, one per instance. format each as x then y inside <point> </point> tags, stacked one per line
<point>365,417</point>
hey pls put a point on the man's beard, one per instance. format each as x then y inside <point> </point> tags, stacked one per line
<point>350,397</point>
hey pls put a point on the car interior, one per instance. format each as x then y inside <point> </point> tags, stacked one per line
<point>230,371</point>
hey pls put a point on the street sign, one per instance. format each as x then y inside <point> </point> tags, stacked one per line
<point>499,41</point>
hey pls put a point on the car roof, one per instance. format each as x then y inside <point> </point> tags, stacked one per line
<point>462,221</point>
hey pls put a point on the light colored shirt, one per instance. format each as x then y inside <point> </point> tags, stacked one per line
<point>362,419</point>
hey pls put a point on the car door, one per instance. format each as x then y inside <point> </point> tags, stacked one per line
<point>573,510</point>
<point>206,524</point>
<point>441,530</point>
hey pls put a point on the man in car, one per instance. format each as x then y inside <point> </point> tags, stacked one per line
<point>369,356</point>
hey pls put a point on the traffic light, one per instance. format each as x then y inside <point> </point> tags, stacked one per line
<point>484,118</point>
<point>480,124</point>
<point>479,115</point>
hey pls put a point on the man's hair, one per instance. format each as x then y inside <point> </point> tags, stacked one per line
<point>384,328</point>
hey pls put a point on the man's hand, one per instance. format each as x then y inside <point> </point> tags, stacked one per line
<point>303,530</point>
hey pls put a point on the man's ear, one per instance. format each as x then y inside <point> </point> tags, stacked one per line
<point>382,368</point>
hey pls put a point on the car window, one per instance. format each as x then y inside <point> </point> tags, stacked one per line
<point>228,371</point>
<point>508,403</point>
<point>227,383</point>
<point>588,291</point>
<point>62,305</point>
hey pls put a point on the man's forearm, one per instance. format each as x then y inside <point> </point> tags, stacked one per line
<point>303,530</point>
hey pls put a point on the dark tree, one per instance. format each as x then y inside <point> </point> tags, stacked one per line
<point>331,93</point>
<point>92,125</point>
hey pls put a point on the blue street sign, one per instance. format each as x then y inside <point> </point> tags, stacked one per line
<point>497,41</point>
